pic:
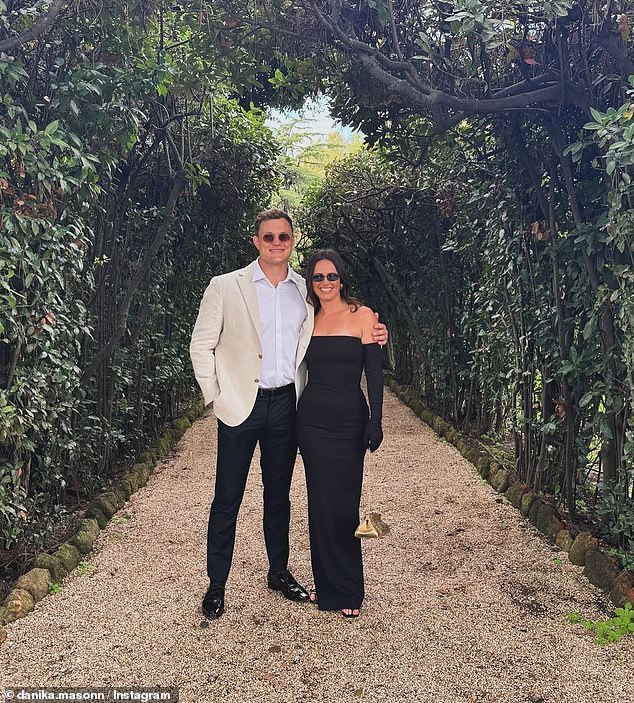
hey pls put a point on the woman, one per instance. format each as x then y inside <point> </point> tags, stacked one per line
<point>334,430</point>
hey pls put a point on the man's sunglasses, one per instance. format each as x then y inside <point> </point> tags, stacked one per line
<point>283,237</point>
<point>319,277</point>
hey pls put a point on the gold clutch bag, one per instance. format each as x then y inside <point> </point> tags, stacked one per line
<point>372,526</point>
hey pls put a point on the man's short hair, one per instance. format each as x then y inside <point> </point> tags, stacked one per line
<point>272,214</point>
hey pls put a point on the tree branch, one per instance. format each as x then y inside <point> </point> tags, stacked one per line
<point>141,270</point>
<point>361,48</point>
<point>397,46</point>
<point>38,28</point>
<point>445,110</point>
<point>527,84</point>
<point>618,54</point>
<point>535,178</point>
<point>437,98</point>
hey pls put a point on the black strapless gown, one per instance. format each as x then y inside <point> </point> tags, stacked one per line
<point>331,419</point>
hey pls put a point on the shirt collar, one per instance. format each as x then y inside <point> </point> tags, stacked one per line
<point>258,274</point>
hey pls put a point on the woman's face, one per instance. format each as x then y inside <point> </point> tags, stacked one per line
<point>326,290</point>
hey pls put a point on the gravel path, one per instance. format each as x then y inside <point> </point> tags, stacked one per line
<point>465,600</point>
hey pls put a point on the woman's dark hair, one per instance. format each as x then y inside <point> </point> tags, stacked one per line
<point>330,255</point>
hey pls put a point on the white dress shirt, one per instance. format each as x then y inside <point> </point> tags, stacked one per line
<point>282,314</point>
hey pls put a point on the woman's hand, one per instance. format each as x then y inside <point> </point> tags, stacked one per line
<point>373,435</point>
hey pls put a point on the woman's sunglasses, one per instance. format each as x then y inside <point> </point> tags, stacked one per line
<point>283,237</point>
<point>319,277</point>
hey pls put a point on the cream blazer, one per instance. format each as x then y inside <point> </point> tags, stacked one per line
<point>226,347</point>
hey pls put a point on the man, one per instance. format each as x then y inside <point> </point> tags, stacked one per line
<point>247,349</point>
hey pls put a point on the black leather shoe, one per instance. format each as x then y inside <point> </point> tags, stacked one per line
<point>214,601</point>
<point>284,582</point>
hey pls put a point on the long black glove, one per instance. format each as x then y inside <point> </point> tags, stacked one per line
<point>374,376</point>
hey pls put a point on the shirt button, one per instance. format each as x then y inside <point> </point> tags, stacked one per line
<point>256,380</point>
<point>259,356</point>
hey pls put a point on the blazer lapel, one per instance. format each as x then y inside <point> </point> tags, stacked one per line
<point>247,288</point>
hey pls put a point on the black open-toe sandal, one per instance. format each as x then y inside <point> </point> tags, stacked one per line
<point>351,614</point>
<point>312,595</point>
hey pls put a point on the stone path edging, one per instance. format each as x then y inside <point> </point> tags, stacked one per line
<point>48,569</point>
<point>583,550</point>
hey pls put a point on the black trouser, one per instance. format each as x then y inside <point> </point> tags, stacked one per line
<point>272,424</point>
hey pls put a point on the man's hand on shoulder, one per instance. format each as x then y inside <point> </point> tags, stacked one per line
<point>379,333</point>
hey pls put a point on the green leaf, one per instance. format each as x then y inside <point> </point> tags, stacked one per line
<point>585,399</point>
<point>52,127</point>
<point>598,116</point>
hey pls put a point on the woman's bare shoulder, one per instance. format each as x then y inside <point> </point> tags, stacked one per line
<point>365,318</point>
<point>365,313</point>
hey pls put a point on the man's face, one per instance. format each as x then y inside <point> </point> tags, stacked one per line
<point>274,241</point>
